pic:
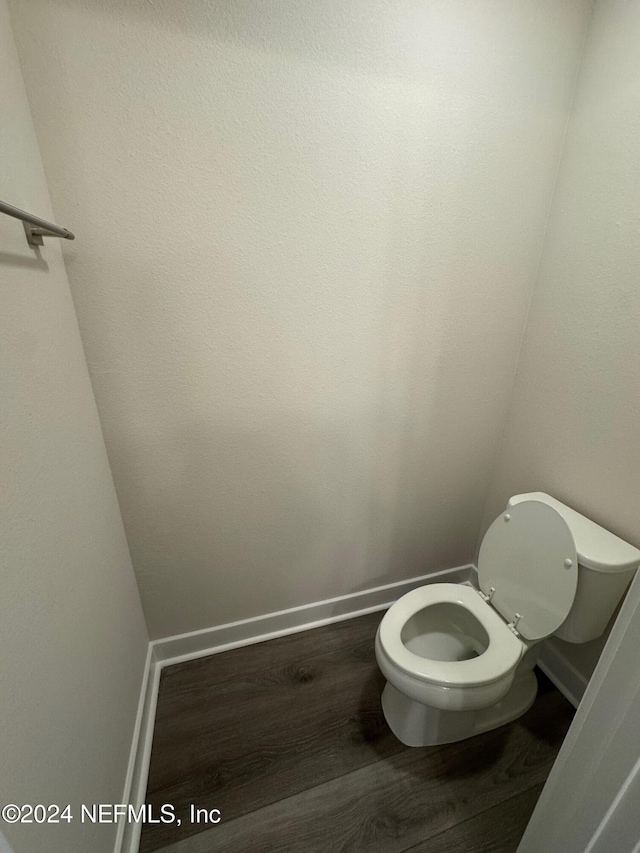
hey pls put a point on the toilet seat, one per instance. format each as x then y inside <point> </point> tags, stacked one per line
<point>528,568</point>
<point>501,656</point>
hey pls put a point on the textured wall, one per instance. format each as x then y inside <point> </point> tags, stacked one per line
<point>308,232</point>
<point>72,635</point>
<point>573,426</point>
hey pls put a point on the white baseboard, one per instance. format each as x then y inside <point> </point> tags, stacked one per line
<point>221,638</point>
<point>128,834</point>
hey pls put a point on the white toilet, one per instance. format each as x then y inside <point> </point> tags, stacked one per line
<point>459,661</point>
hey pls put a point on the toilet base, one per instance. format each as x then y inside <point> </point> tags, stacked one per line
<point>415,724</point>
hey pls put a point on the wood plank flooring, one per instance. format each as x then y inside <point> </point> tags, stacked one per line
<point>287,739</point>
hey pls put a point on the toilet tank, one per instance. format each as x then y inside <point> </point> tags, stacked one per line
<point>606,565</point>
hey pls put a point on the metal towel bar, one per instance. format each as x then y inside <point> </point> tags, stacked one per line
<point>34,227</point>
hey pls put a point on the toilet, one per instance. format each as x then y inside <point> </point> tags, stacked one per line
<point>459,661</point>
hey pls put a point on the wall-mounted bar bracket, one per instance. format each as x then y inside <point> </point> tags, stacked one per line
<point>34,227</point>
<point>35,234</point>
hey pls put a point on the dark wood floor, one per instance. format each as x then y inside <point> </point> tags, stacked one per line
<point>287,740</point>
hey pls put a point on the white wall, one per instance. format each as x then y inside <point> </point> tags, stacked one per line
<point>573,425</point>
<point>72,636</point>
<point>307,238</point>
<point>590,801</point>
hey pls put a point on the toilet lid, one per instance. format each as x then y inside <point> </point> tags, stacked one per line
<point>529,557</point>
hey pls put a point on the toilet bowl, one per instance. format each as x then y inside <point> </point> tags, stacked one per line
<point>458,660</point>
<point>443,646</point>
<point>450,661</point>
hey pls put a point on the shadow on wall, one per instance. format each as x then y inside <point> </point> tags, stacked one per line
<point>285,472</point>
<point>308,471</point>
<point>302,364</point>
<point>33,261</point>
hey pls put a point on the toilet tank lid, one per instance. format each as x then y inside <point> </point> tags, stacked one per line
<point>597,548</point>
